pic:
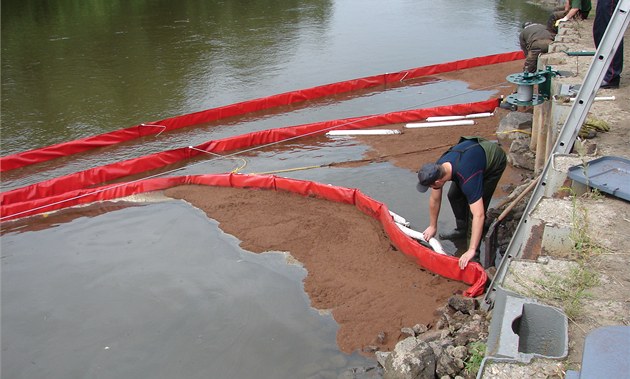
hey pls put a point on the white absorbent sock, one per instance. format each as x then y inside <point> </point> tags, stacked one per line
<point>399,219</point>
<point>434,243</point>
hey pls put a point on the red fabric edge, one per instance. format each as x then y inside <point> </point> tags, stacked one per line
<point>447,266</point>
<point>17,200</point>
<point>26,158</point>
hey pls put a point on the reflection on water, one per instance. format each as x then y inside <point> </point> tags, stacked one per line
<point>123,293</point>
<point>70,69</point>
<point>75,69</point>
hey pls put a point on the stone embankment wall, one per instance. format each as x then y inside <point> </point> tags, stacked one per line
<point>446,352</point>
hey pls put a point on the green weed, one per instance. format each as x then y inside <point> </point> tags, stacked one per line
<point>477,351</point>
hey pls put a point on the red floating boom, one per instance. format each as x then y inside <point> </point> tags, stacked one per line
<point>444,265</point>
<point>11,162</point>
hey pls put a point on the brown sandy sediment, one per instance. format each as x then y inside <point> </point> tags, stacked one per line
<point>353,270</point>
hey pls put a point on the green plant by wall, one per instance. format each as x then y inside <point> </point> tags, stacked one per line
<point>477,351</point>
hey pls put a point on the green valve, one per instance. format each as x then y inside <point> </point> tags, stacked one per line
<point>524,95</point>
<point>526,81</point>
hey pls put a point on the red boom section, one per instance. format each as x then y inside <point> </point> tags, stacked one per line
<point>447,266</point>
<point>30,157</point>
<point>18,202</point>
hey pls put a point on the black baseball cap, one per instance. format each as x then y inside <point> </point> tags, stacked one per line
<point>427,175</point>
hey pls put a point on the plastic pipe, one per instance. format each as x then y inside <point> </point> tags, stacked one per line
<point>440,123</point>
<point>399,219</point>
<point>368,132</point>
<point>435,244</point>
<point>449,118</point>
<point>598,98</point>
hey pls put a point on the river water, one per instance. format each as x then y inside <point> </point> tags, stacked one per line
<point>111,291</point>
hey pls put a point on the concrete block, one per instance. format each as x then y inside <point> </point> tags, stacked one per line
<point>556,240</point>
<point>521,329</point>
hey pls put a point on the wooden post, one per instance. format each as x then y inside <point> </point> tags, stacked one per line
<point>536,122</point>
<point>542,117</point>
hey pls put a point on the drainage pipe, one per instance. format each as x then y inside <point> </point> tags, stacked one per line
<point>371,132</point>
<point>440,123</point>
<point>449,118</point>
<point>598,98</point>
<point>434,243</point>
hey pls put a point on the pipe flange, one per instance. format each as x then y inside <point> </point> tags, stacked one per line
<point>526,78</point>
<point>536,100</point>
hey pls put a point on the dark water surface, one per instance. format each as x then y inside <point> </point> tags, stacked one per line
<point>74,69</point>
<point>157,290</point>
<point>113,295</point>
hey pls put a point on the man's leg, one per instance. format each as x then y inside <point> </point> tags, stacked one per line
<point>603,15</point>
<point>490,182</point>
<point>537,48</point>
<point>461,211</point>
<point>613,74</point>
<point>531,60</point>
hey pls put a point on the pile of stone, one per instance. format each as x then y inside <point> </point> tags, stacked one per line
<point>442,352</point>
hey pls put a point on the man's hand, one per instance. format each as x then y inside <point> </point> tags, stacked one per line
<point>465,258</point>
<point>429,233</point>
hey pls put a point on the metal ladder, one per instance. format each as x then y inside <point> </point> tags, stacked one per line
<point>566,138</point>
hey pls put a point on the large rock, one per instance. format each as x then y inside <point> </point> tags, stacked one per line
<point>463,304</point>
<point>514,130</point>
<point>520,155</point>
<point>412,358</point>
<point>512,124</point>
<point>451,362</point>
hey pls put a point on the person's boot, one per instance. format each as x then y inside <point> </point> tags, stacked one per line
<point>458,233</point>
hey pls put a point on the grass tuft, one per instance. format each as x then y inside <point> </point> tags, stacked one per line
<point>477,352</point>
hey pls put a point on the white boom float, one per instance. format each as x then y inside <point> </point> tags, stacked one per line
<point>369,132</point>
<point>450,118</point>
<point>440,123</point>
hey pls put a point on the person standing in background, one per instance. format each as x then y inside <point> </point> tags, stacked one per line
<point>534,40</point>
<point>603,14</point>
<point>572,8</point>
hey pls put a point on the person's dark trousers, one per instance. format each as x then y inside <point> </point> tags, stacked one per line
<point>553,17</point>
<point>459,204</point>
<point>603,15</point>
<point>531,58</point>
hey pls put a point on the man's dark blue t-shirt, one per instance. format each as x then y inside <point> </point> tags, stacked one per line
<point>468,168</point>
